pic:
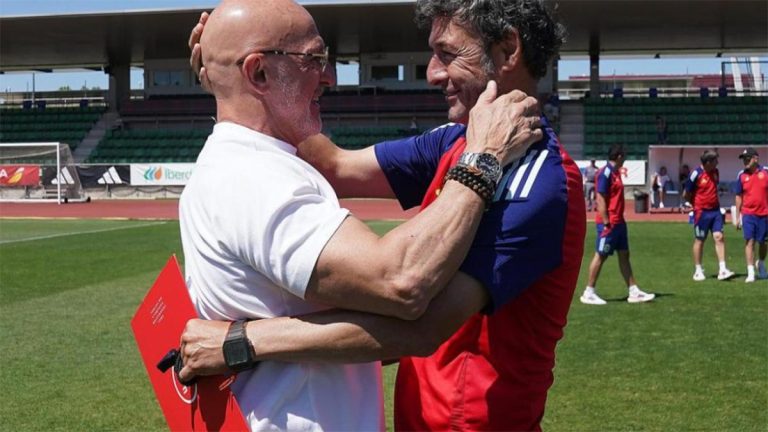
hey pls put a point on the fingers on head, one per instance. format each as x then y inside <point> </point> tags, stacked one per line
<point>489,94</point>
<point>195,35</point>
<point>531,105</point>
<point>516,96</point>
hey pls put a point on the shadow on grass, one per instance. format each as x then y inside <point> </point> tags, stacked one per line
<point>624,299</point>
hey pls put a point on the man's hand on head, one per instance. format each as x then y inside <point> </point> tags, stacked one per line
<point>196,53</point>
<point>505,126</point>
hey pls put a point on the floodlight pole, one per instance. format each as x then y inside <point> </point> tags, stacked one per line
<point>58,173</point>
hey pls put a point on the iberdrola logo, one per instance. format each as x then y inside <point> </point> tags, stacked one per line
<point>153,173</point>
<point>16,177</point>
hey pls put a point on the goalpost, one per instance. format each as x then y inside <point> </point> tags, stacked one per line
<point>39,172</point>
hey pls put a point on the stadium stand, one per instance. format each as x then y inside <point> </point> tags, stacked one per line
<point>383,101</point>
<point>696,121</point>
<point>68,125</point>
<point>360,137</point>
<point>150,145</point>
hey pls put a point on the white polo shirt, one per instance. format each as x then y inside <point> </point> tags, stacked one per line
<point>254,219</point>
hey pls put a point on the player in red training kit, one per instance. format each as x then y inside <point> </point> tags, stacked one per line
<point>701,190</point>
<point>752,204</point>
<point>612,231</point>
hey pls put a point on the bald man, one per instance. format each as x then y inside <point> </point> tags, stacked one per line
<point>264,236</point>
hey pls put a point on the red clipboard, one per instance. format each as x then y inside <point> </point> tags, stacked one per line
<point>208,405</point>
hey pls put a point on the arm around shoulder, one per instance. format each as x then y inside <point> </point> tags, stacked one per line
<point>399,273</point>
<point>352,173</point>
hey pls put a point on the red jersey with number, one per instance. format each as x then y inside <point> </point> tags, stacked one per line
<point>703,186</point>
<point>753,188</point>
<point>610,185</point>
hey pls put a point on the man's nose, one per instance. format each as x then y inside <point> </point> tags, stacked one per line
<point>328,77</point>
<point>437,73</point>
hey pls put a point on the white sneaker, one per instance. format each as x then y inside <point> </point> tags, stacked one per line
<point>725,275</point>
<point>699,276</point>
<point>591,298</point>
<point>750,278</point>
<point>638,296</point>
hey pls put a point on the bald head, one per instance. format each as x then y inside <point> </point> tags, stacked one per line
<point>237,27</point>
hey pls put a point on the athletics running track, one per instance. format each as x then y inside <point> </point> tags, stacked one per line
<point>369,209</point>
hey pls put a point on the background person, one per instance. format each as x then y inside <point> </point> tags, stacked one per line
<point>659,184</point>
<point>661,130</point>
<point>701,192</point>
<point>589,185</point>
<point>752,205</point>
<point>612,231</point>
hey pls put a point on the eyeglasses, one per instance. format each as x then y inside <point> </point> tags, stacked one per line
<point>320,58</point>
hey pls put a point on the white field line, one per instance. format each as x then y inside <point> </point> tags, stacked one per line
<point>81,232</point>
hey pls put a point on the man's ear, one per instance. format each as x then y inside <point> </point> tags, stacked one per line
<point>253,72</point>
<point>510,52</point>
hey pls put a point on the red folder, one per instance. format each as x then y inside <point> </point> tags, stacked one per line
<point>207,405</point>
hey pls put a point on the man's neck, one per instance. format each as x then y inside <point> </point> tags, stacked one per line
<point>250,116</point>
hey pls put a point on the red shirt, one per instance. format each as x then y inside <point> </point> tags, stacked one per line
<point>494,372</point>
<point>610,185</point>
<point>754,191</point>
<point>703,185</point>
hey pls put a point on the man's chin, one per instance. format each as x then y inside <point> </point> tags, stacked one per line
<point>462,118</point>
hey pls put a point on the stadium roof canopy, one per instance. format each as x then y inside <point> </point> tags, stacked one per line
<point>625,27</point>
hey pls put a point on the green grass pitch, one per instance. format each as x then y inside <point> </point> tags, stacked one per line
<point>695,359</point>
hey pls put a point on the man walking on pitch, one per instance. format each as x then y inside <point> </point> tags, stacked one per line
<point>612,231</point>
<point>701,191</point>
<point>752,205</point>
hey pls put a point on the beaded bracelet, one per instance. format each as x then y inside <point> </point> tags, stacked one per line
<point>473,180</point>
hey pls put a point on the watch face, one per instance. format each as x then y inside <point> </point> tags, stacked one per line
<point>489,165</point>
<point>236,353</point>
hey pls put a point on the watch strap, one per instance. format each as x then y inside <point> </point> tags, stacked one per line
<point>236,336</point>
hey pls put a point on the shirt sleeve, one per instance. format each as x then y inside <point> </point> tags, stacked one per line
<point>690,185</point>
<point>604,181</point>
<point>738,188</point>
<point>410,163</point>
<point>285,230</point>
<point>520,238</point>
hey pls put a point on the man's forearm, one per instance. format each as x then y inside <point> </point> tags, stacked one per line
<point>337,336</point>
<point>602,208</point>
<point>349,337</point>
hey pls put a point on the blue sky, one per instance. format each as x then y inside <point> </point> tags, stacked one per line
<point>347,75</point>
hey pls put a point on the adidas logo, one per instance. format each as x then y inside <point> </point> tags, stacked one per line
<point>64,178</point>
<point>110,176</point>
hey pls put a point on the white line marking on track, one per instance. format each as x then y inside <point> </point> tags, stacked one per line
<point>81,232</point>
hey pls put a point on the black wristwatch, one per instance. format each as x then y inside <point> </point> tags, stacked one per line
<point>237,348</point>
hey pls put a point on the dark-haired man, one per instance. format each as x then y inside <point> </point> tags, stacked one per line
<point>701,191</point>
<point>612,231</point>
